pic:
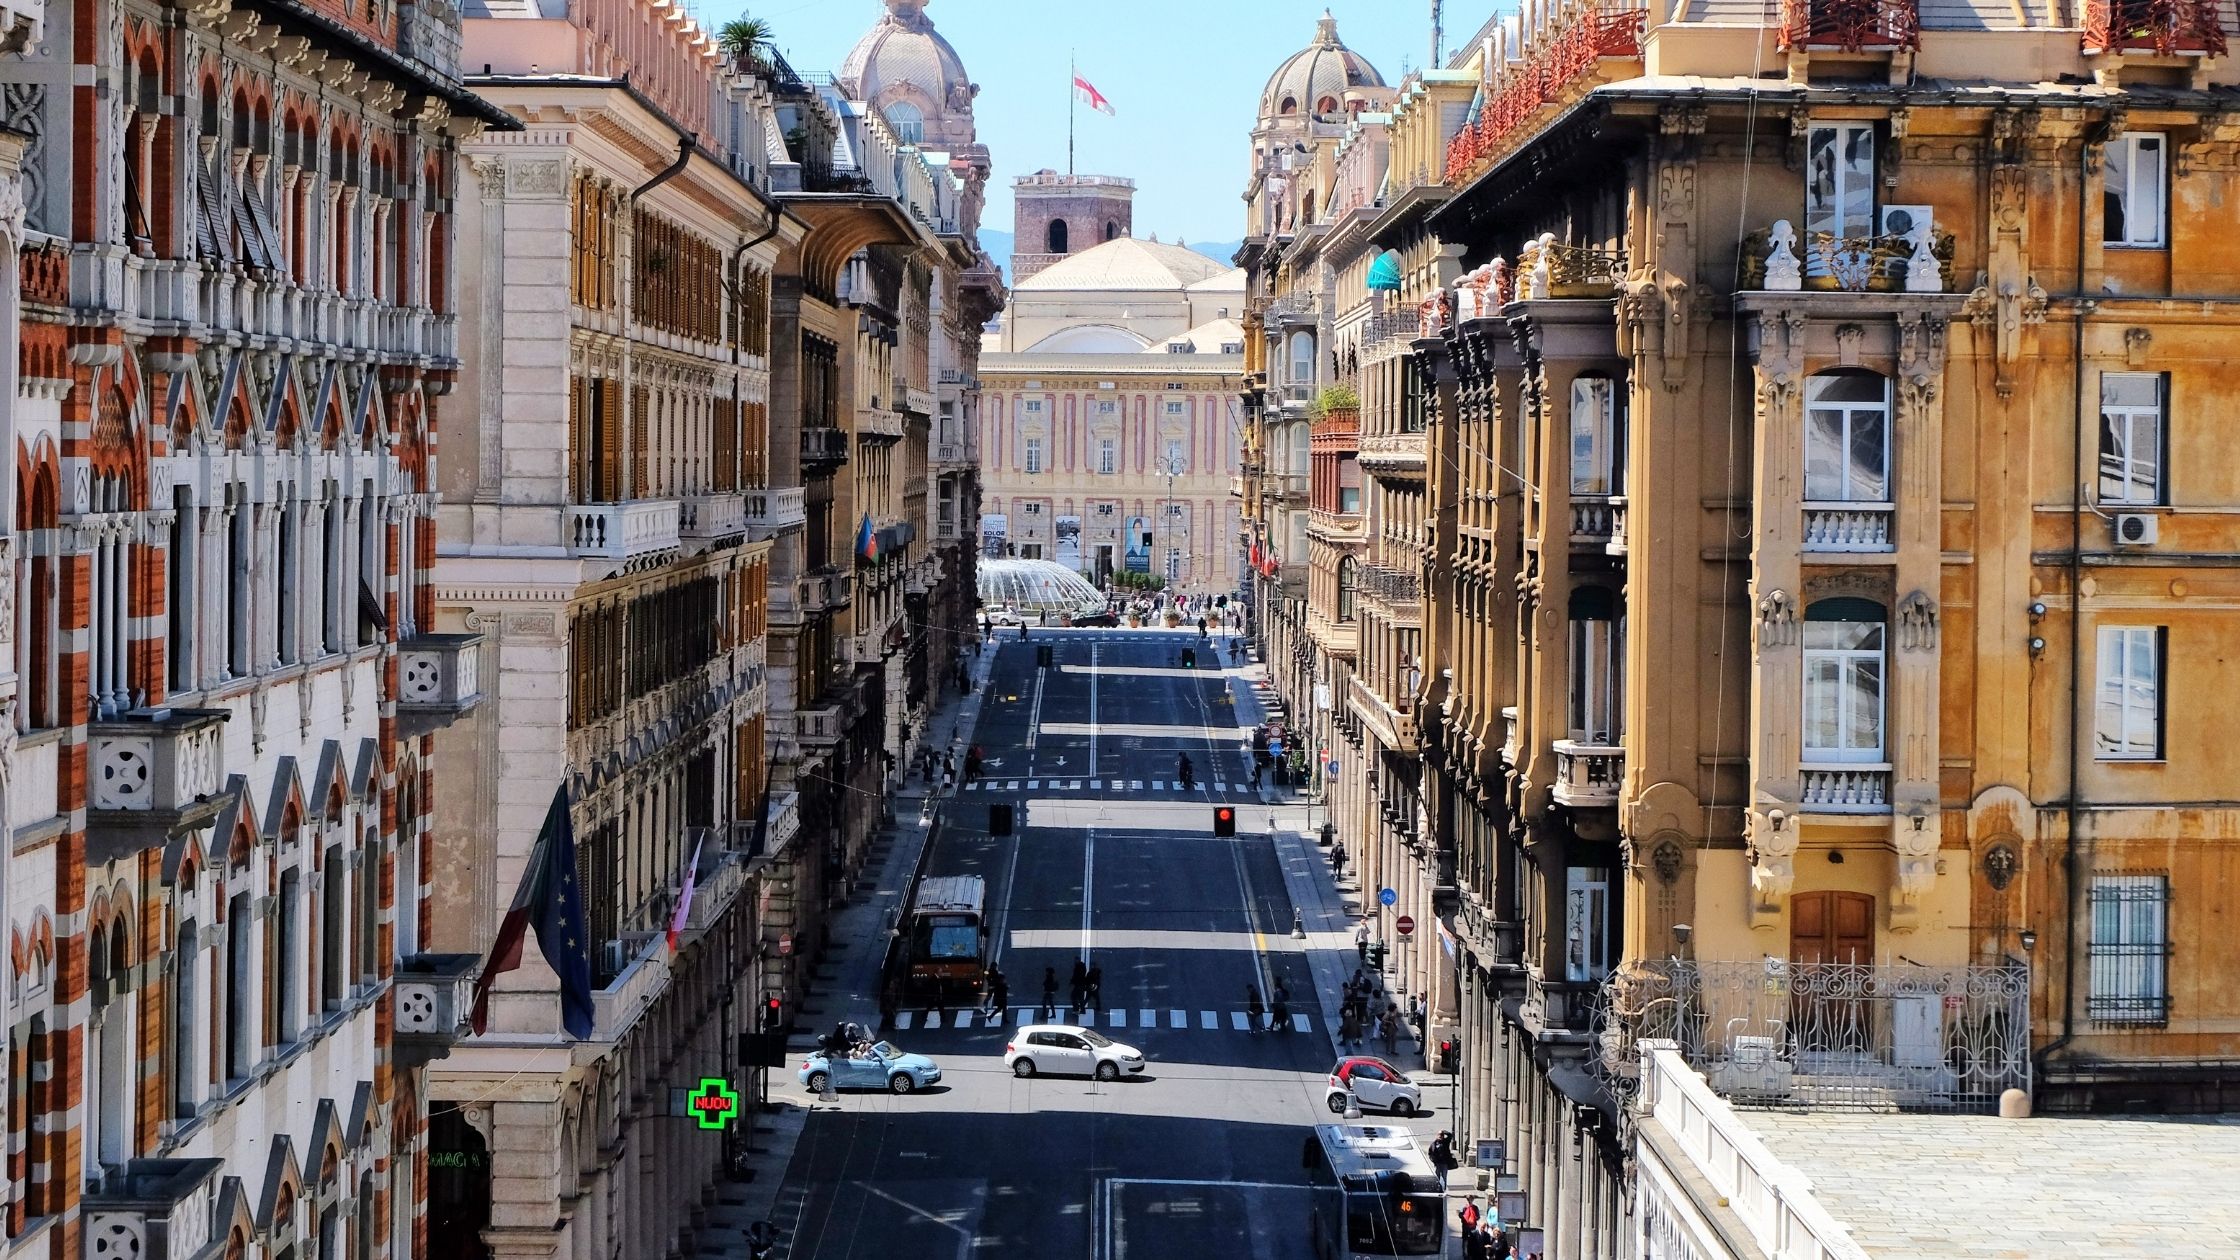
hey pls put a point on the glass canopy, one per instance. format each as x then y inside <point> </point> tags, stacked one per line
<point>1036,586</point>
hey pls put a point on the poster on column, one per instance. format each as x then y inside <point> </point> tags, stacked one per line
<point>995,534</point>
<point>1069,542</point>
<point>1137,557</point>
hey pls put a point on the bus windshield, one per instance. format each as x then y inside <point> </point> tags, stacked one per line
<point>949,936</point>
<point>1377,1225</point>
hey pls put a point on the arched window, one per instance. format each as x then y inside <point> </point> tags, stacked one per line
<point>1306,209</point>
<point>1349,583</point>
<point>908,122</point>
<point>1326,106</point>
<point>1597,642</point>
<point>186,1010</point>
<point>1596,434</point>
<point>1054,238</point>
<point>1302,358</point>
<point>114,1082</point>
<point>1290,105</point>
<point>1847,438</point>
<point>1111,230</point>
<point>1844,680</point>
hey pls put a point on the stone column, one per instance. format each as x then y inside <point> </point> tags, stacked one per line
<point>1777,497</point>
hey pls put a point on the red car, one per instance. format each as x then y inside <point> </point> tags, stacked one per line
<point>1376,1084</point>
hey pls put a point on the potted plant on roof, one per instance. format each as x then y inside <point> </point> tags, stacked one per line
<point>744,40</point>
<point>1337,404</point>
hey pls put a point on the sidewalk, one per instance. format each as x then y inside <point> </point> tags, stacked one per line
<point>843,985</point>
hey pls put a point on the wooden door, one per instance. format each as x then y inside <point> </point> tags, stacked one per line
<point>1831,927</point>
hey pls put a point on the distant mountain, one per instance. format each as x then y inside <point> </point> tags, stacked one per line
<point>998,245</point>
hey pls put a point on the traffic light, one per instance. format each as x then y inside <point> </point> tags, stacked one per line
<point>1189,658</point>
<point>1449,1057</point>
<point>999,819</point>
<point>773,1013</point>
<point>1224,820</point>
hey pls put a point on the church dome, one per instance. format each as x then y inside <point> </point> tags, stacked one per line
<point>1316,78</point>
<point>903,59</point>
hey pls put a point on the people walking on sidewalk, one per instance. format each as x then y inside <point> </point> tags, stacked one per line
<point>1442,1156</point>
<point>1361,942</point>
<point>1078,987</point>
<point>1254,1010</point>
<point>1095,985</point>
<point>1349,1026</point>
<point>1050,992</point>
<point>1282,1009</point>
<point>1388,1030</point>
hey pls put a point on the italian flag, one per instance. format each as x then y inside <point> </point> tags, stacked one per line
<point>1090,96</point>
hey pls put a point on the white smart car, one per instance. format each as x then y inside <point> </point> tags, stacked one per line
<point>1064,1049</point>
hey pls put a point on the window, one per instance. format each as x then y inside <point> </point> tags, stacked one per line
<point>1594,436</point>
<point>2127,719</point>
<point>1034,406</point>
<point>1586,923</point>
<point>1175,463</point>
<point>1839,180</point>
<point>1174,406</point>
<point>1108,456</point>
<point>1054,239</point>
<point>1847,438</point>
<point>1034,455</point>
<point>1349,582</point>
<point>1349,499</point>
<point>2131,438</point>
<point>908,121</point>
<point>2131,201</point>
<point>2130,949</point>
<point>1302,358</point>
<point>1597,663</point>
<point>1843,681</point>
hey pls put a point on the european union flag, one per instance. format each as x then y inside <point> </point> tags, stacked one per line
<point>549,901</point>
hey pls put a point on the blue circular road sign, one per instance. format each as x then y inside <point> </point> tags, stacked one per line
<point>1386,896</point>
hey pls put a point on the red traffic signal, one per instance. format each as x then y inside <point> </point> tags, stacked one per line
<point>1224,821</point>
<point>773,1013</point>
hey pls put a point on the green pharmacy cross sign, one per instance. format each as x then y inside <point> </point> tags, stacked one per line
<point>715,1104</point>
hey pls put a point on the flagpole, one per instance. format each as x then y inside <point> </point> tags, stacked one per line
<point>1073,71</point>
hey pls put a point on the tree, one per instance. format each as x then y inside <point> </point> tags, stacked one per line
<point>744,39</point>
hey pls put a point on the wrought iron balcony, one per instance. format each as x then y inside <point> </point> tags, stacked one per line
<point>152,772</point>
<point>2163,28</point>
<point>154,1209</point>
<point>1850,25</point>
<point>438,681</point>
<point>1547,75</point>
<point>711,518</point>
<point>1587,775</point>
<point>1847,526</point>
<point>1548,268</point>
<point>823,447</point>
<point>1846,789</point>
<point>622,532</point>
<point>435,998</point>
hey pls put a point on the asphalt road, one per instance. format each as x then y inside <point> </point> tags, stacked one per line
<point>1113,863</point>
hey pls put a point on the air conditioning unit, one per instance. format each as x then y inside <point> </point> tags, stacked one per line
<point>1900,220</point>
<point>2137,529</point>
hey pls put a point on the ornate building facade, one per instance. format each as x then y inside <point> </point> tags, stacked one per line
<point>231,244</point>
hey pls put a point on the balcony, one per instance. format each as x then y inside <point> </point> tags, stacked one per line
<point>1587,775</point>
<point>644,974</point>
<point>2162,28</point>
<point>622,532</point>
<point>1389,453</point>
<point>823,447</point>
<point>438,681</point>
<point>1779,259</point>
<point>722,875</point>
<point>1560,60</point>
<point>823,726</point>
<point>1853,527</point>
<point>154,1209</point>
<point>1857,789</point>
<point>1393,725</point>
<point>711,518</point>
<point>1549,269</point>
<point>435,998</point>
<point>1512,741</point>
<point>876,421</point>
<point>1617,544</point>
<point>153,772</point>
<point>1850,26</point>
<point>769,513</point>
<point>1591,522</point>
<point>953,457</point>
<point>44,272</point>
<point>826,591</point>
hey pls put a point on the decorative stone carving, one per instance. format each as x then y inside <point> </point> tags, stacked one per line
<point>1784,271</point>
<point>2000,864</point>
<point>2136,342</point>
<point>1917,623</point>
<point>1771,836</point>
<point>1915,836</point>
<point>1923,275</point>
<point>541,178</point>
<point>1777,619</point>
<point>1665,860</point>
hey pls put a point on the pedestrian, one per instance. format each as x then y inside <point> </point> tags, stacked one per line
<point>1359,985</point>
<point>1388,1031</point>
<point>1473,1244</point>
<point>1361,943</point>
<point>1050,992</point>
<point>1470,1215</point>
<point>1096,988</point>
<point>1416,1016</point>
<point>1182,772</point>
<point>1349,1027</point>
<point>1254,1011</point>
<point>1078,987</point>
<point>999,993</point>
<point>1497,1243</point>
<point>1442,1157</point>
<point>948,770</point>
<point>1256,776</point>
<point>1282,1009</point>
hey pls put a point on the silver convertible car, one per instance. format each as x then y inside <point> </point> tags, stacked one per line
<point>877,1066</point>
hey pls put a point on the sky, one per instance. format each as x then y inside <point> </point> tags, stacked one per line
<point>1184,77</point>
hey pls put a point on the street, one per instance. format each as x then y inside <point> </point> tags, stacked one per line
<point>1113,862</point>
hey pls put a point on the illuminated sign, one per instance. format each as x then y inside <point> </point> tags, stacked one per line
<point>715,1104</point>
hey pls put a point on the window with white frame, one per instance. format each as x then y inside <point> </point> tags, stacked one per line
<point>1175,464</point>
<point>1839,180</point>
<point>1108,456</point>
<point>1597,665</point>
<point>1594,436</point>
<point>1847,438</point>
<point>2131,200</point>
<point>1844,680</point>
<point>1033,406</point>
<point>1174,406</point>
<point>2127,714</point>
<point>1586,923</point>
<point>2131,437</point>
<point>1034,455</point>
<point>1302,358</point>
<point>2130,949</point>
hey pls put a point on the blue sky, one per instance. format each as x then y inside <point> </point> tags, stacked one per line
<point>1184,75</point>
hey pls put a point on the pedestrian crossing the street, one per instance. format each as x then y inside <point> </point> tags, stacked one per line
<point>1020,1016</point>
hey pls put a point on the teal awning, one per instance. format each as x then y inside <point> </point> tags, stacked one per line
<point>1384,273</point>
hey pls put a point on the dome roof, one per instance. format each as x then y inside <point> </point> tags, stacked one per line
<point>1131,264</point>
<point>1036,586</point>
<point>904,49</point>
<point>1322,71</point>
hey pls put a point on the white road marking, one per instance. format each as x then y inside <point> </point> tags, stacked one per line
<point>1160,785</point>
<point>933,1019</point>
<point>1088,1018</point>
<point>1011,786</point>
<point>1034,785</point>
<point>1237,1021</point>
<point>902,1019</point>
<point>1146,1019</point>
<point>1119,1019</point>
<point>1299,1022</point>
<point>1206,1020</point>
<point>1135,785</point>
<point>1092,708</point>
<point>1088,889</point>
<point>1096,785</point>
<point>1178,1019</point>
<point>1034,714</point>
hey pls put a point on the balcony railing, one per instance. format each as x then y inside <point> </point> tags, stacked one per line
<point>1588,774</point>
<point>824,446</point>
<point>1617,544</point>
<point>1778,259</point>
<point>44,272</point>
<point>1543,77</point>
<point>617,1004</point>
<point>952,455</point>
<point>1548,268</point>
<point>824,725</point>
<point>710,517</point>
<point>438,681</point>
<point>1512,739</point>
<point>1850,25</point>
<point>1861,789</point>
<point>768,512</point>
<point>622,531</point>
<point>1824,1036</point>
<point>2165,28</point>
<point>722,875</point>
<point>154,1209</point>
<point>435,997</point>
<point>1847,526</point>
<point>1398,588</point>
<point>166,761</point>
<point>1591,522</point>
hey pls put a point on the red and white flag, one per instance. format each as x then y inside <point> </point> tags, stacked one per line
<point>1090,96</point>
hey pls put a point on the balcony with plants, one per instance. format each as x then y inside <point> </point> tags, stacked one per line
<point>2160,28</point>
<point>1567,52</point>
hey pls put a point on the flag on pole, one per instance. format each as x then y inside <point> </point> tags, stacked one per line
<point>867,542</point>
<point>549,901</point>
<point>684,898</point>
<point>1090,96</point>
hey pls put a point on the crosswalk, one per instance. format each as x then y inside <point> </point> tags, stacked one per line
<point>1200,788</point>
<point>1141,1017</point>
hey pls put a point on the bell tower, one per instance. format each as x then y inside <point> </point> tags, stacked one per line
<point>1056,216</point>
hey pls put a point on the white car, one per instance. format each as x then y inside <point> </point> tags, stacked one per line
<point>1064,1049</point>
<point>1375,1084</point>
